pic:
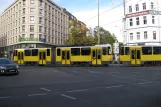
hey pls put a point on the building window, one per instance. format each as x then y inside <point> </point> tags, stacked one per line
<point>40,20</point>
<point>23,28</point>
<point>23,20</point>
<point>131,22</point>
<point>152,5</point>
<point>137,7</point>
<point>31,35</point>
<point>40,2</point>
<point>40,29</point>
<point>45,30</point>
<point>40,36</point>
<point>138,35</point>
<point>130,9</point>
<point>144,6</point>
<point>153,19</point>
<point>137,21</point>
<point>31,10</point>
<point>31,28</point>
<point>24,2</point>
<point>49,31</point>
<point>131,36</point>
<point>145,19</point>
<point>45,13</point>
<point>32,1</point>
<point>31,19</point>
<point>40,11</point>
<point>45,6</point>
<point>24,11</point>
<point>48,38</point>
<point>49,23</point>
<point>45,21</point>
<point>145,35</point>
<point>154,35</point>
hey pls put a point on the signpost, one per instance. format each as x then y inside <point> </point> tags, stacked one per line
<point>22,39</point>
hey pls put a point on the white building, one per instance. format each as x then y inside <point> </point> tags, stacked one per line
<point>142,22</point>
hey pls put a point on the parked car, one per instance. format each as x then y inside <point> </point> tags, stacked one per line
<point>7,66</point>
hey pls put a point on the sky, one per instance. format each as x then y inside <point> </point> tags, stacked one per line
<point>84,10</point>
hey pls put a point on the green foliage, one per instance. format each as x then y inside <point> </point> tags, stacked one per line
<point>77,36</point>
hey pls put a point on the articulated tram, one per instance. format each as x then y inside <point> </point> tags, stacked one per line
<point>141,55</point>
<point>91,55</point>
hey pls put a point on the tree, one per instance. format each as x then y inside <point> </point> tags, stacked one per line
<point>76,34</point>
<point>105,36</point>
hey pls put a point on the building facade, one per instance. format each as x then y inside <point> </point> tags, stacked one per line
<point>33,23</point>
<point>142,22</point>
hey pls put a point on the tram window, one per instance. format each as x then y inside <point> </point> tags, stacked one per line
<point>104,51</point>
<point>109,51</point>
<point>58,52</point>
<point>94,54</point>
<point>27,53</point>
<point>99,54</point>
<point>63,54</point>
<point>156,50</point>
<point>15,53</point>
<point>146,50</point>
<point>68,55</point>
<point>133,54</point>
<point>48,52</point>
<point>127,52</point>
<point>34,52</point>
<point>75,51</point>
<point>85,51</point>
<point>122,51</point>
<point>138,54</point>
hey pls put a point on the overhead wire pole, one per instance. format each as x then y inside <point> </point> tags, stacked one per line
<point>98,25</point>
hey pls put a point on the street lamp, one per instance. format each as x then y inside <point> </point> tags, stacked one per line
<point>98,26</point>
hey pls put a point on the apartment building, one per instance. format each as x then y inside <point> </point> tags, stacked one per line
<point>142,22</point>
<point>33,23</point>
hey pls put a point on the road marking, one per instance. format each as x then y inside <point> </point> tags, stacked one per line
<point>77,90</point>
<point>117,86</point>
<point>113,72</point>
<point>45,89</point>
<point>68,96</point>
<point>126,77</point>
<point>145,83</point>
<point>5,97</point>
<point>30,95</point>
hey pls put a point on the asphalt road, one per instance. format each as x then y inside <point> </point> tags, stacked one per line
<point>82,87</point>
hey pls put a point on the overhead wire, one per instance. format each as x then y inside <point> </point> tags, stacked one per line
<point>107,10</point>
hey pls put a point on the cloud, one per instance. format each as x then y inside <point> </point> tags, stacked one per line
<point>105,20</point>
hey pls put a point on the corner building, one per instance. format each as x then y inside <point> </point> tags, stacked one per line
<point>33,23</point>
<point>142,22</point>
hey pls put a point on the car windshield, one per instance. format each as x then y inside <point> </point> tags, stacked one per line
<point>5,61</point>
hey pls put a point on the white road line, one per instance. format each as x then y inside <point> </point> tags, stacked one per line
<point>77,90</point>
<point>117,86</point>
<point>31,95</point>
<point>145,83</point>
<point>45,89</point>
<point>5,97</point>
<point>68,96</point>
<point>114,72</point>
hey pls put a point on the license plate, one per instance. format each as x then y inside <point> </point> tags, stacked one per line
<point>12,70</point>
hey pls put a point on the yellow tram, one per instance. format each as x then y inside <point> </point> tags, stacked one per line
<point>91,55</point>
